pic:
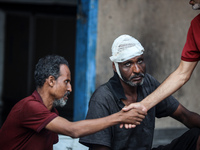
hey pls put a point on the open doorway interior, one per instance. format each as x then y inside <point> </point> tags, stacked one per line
<point>31,32</point>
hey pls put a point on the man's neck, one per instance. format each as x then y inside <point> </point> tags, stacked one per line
<point>130,93</point>
<point>47,100</point>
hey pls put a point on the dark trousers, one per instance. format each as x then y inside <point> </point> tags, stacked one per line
<point>187,141</point>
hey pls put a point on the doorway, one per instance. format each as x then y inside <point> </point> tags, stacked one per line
<point>31,32</point>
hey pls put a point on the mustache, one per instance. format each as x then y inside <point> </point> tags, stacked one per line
<point>137,75</point>
<point>67,94</point>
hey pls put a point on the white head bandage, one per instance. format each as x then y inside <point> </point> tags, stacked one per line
<point>124,48</point>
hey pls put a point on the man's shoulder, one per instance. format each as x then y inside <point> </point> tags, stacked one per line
<point>102,88</point>
<point>102,91</point>
<point>196,19</point>
<point>102,94</point>
<point>29,103</point>
<point>30,99</point>
<point>25,100</point>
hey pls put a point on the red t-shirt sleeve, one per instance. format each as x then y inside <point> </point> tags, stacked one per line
<point>36,116</point>
<point>191,50</point>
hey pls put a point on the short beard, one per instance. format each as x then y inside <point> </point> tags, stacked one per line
<point>196,6</point>
<point>129,82</point>
<point>135,84</point>
<point>60,102</point>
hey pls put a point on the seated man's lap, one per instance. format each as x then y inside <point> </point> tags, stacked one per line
<point>187,141</point>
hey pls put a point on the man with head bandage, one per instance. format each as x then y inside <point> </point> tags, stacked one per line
<point>124,48</point>
<point>131,84</point>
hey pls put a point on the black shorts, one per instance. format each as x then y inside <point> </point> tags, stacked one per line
<point>187,141</point>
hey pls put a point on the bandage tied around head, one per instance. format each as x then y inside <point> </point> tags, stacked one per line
<point>124,48</point>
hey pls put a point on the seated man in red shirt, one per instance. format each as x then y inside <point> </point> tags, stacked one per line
<point>33,122</point>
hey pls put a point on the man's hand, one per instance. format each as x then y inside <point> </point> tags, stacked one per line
<point>138,106</point>
<point>137,114</point>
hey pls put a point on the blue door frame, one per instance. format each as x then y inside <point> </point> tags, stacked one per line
<point>85,63</point>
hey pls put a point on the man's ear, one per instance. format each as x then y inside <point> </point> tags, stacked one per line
<point>113,65</point>
<point>51,81</point>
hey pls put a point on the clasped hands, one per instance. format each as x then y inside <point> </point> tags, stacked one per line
<point>139,118</point>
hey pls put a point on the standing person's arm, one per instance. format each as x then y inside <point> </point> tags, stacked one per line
<point>175,81</point>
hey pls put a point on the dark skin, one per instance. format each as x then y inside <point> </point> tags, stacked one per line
<point>128,69</point>
<point>134,67</point>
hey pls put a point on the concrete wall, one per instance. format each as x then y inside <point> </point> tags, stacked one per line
<point>161,27</point>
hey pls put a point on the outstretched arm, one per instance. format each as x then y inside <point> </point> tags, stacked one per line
<point>175,81</point>
<point>85,127</point>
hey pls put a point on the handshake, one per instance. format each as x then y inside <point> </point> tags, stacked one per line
<point>132,115</point>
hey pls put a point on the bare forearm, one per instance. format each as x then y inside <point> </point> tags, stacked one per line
<point>175,81</point>
<point>81,128</point>
<point>167,88</point>
<point>86,127</point>
<point>188,118</point>
<point>192,120</point>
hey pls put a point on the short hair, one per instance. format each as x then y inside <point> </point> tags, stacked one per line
<point>48,66</point>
